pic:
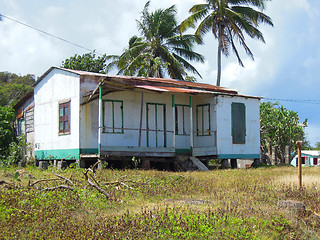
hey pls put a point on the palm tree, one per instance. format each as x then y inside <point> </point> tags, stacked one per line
<point>161,49</point>
<point>228,20</point>
<point>128,62</point>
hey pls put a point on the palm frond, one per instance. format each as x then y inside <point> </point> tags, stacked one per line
<point>187,65</point>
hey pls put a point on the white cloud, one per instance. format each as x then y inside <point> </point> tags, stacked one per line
<point>313,133</point>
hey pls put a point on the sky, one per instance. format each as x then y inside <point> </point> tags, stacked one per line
<point>285,67</point>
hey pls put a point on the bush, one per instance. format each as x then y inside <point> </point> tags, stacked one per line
<point>7,117</point>
<point>18,151</point>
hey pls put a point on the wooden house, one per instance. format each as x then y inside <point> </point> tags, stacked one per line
<point>83,115</point>
<point>309,158</point>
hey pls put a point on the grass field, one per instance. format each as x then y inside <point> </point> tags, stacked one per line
<point>220,204</point>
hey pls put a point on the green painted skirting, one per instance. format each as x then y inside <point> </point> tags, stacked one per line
<point>67,154</point>
<point>238,156</point>
<point>183,151</point>
<point>88,150</point>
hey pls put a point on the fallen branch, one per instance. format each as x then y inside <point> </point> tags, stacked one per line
<point>58,187</point>
<point>42,180</point>
<point>94,183</point>
<point>64,178</point>
<point>127,186</point>
<point>3,182</point>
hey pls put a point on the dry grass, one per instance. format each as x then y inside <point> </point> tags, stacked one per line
<point>218,204</point>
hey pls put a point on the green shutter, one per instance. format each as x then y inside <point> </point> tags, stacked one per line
<point>238,115</point>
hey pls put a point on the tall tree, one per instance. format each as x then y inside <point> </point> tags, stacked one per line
<point>161,48</point>
<point>228,20</point>
<point>279,127</point>
<point>128,62</point>
<point>86,62</point>
<point>14,87</point>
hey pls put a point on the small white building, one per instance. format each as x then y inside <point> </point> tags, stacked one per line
<point>308,158</point>
<point>82,114</point>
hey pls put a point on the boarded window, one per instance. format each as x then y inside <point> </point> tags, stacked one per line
<point>112,116</point>
<point>29,115</point>
<point>238,119</point>
<point>64,118</point>
<point>203,120</point>
<point>182,119</point>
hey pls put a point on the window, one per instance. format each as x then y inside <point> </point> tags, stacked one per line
<point>21,126</point>
<point>203,120</point>
<point>238,121</point>
<point>315,161</point>
<point>112,116</point>
<point>64,118</point>
<point>182,114</point>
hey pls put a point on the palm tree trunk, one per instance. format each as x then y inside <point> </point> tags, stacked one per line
<point>219,62</point>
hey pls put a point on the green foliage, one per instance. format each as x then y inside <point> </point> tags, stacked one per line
<point>17,151</point>
<point>160,50</point>
<point>14,87</point>
<point>136,162</point>
<point>86,62</point>
<point>7,117</point>
<point>279,127</point>
<point>190,79</point>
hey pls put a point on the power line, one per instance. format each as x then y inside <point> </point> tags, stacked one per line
<point>311,101</point>
<point>49,34</point>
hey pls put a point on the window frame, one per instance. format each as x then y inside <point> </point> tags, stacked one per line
<point>21,126</point>
<point>156,121</point>
<point>183,120</point>
<point>113,117</point>
<point>203,132</point>
<point>64,118</point>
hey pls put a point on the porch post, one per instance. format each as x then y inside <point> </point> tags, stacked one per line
<point>141,116</point>
<point>100,121</point>
<point>191,126</point>
<point>173,122</point>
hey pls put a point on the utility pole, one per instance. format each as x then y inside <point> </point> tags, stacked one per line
<point>299,143</point>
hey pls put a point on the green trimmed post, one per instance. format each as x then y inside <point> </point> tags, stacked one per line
<point>100,120</point>
<point>173,122</point>
<point>191,125</point>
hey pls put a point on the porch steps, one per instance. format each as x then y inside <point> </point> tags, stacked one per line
<point>187,163</point>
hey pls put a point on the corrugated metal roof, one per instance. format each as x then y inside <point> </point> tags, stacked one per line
<point>173,89</point>
<point>131,80</point>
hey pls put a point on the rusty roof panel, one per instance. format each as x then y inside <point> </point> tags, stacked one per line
<point>147,87</point>
<point>132,80</point>
<point>178,90</point>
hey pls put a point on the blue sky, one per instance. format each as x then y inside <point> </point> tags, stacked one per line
<point>286,67</point>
